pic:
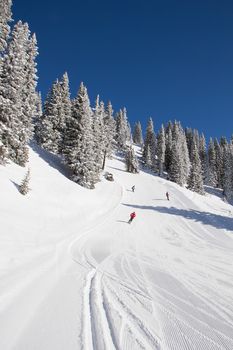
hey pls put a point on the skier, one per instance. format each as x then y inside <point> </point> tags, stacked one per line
<point>167,195</point>
<point>133,188</point>
<point>132,216</point>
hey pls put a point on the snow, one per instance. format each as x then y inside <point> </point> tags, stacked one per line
<point>75,275</point>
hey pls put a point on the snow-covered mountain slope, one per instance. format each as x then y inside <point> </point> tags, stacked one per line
<point>75,275</point>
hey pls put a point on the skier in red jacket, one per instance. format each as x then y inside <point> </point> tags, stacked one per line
<point>132,216</point>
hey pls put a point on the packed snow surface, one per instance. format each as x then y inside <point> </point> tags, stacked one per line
<point>75,275</point>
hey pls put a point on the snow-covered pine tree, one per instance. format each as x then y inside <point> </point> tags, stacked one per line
<point>65,109</point>
<point>122,129</point>
<point>148,161</point>
<point>48,132</point>
<point>39,111</point>
<point>29,93</point>
<point>168,150</point>
<point>189,139</point>
<point>109,130</point>
<point>202,154</point>
<point>228,173</point>
<point>161,148</point>
<point>131,161</point>
<point>78,146</point>
<point>195,180</point>
<point>14,124</point>
<point>219,163</point>
<point>137,134</point>
<point>5,18</point>
<point>149,145</point>
<point>99,136</point>
<point>3,154</point>
<point>24,187</point>
<point>211,171</point>
<point>196,138</point>
<point>180,163</point>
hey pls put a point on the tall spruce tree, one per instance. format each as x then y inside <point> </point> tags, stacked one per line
<point>202,154</point>
<point>149,148</point>
<point>49,130</point>
<point>168,150</point>
<point>29,93</point>
<point>65,109</point>
<point>228,172</point>
<point>131,161</point>
<point>180,163</point>
<point>99,138</point>
<point>161,148</point>
<point>195,180</point>
<point>211,171</point>
<point>5,18</point>
<point>122,129</point>
<point>219,163</point>
<point>137,134</point>
<point>17,88</point>
<point>79,145</point>
<point>109,130</point>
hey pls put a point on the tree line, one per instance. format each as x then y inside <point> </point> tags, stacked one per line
<point>84,136</point>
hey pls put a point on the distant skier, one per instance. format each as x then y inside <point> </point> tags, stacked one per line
<point>133,188</point>
<point>132,216</point>
<point>167,195</point>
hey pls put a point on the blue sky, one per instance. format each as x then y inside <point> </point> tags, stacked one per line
<point>165,59</point>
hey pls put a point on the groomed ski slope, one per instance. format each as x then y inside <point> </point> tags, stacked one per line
<point>75,275</point>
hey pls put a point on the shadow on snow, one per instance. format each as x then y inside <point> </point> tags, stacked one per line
<point>206,218</point>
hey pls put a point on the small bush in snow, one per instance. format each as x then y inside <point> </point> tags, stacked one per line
<point>24,187</point>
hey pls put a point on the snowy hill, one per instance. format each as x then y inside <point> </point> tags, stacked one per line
<point>75,275</point>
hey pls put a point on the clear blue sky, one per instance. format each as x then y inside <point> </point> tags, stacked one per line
<point>160,58</point>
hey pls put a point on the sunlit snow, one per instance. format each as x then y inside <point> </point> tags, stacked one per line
<point>75,275</point>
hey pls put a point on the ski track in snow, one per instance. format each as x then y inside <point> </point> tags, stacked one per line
<point>109,297</point>
<point>162,283</point>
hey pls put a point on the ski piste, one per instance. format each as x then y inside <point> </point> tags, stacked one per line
<point>73,275</point>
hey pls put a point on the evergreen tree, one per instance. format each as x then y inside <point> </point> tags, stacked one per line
<point>122,129</point>
<point>65,112</point>
<point>137,134</point>
<point>211,171</point>
<point>195,180</point>
<point>228,173</point>
<point>78,147</point>
<point>168,149</point>
<point>99,135</point>
<point>51,127</point>
<point>149,148</point>
<point>219,152</point>
<point>189,139</point>
<point>202,153</point>
<point>148,160</point>
<point>3,154</point>
<point>38,112</point>
<point>180,163</point>
<point>131,161</point>
<point>161,147</point>
<point>15,111</point>
<point>5,18</point>
<point>24,187</point>
<point>49,131</point>
<point>29,93</point>
<point>109,130</point>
